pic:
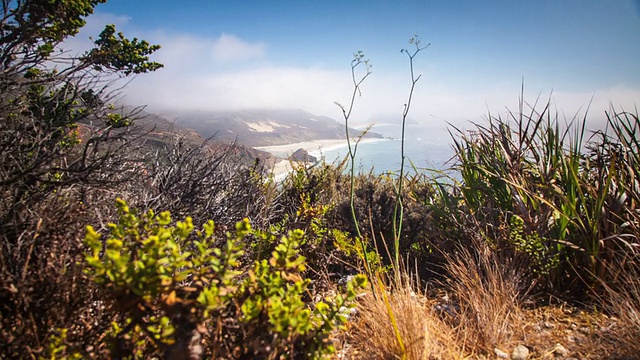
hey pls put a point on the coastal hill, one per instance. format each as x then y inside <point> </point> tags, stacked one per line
<point>265,127</point>
<point>157,132</point>
<point>249,131</point>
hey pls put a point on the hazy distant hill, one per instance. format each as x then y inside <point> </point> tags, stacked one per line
<point>264,127</point>
<point>156,131</point>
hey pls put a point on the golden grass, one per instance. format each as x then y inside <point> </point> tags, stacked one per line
<point>418,332</point>
<point>488,295</point>
<point>402,322</point>
<point>485,299</point>
<point>623,303</point>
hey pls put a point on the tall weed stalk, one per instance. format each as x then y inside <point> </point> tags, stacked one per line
<point>398,210</point>
<point>357,62</point>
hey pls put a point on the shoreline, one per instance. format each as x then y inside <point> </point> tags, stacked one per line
<point>316,146</point>
<point>313,147</point>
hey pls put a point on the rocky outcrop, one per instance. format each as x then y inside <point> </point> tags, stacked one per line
<point>301,155</point>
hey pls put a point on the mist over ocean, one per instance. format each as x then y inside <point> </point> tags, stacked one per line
<point>426,147</point>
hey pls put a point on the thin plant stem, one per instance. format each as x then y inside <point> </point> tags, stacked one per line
<point>352,150</point>
<point>398,210</point>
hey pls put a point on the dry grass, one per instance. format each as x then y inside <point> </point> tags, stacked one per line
<point>422,333</point>
<point>623,303</point>
<point>485,312</point>
<point>488,293</point>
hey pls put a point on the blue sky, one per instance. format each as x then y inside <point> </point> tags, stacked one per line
<point>225,55</point>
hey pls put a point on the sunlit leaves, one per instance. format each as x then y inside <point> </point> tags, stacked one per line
<point>150,265</point>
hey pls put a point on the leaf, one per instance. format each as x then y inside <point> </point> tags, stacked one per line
<point>171,298</point>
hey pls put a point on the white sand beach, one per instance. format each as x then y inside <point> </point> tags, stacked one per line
<point>314,148</point>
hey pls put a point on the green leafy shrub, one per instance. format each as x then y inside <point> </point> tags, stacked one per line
<point>533,246</point>
<point>58,349</point>
<point>174,289</point>
<point>308,199</point>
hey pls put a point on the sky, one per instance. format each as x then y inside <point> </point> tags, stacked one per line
<point>230,55</point>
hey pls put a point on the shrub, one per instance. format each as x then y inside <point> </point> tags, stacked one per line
<point>177,294</point>
<point>203,180</point>
<point>62,147</point>
<point>565,202</point>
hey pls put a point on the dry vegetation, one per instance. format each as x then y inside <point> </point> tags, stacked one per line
<point>530,253</point>
<point>535,247</point>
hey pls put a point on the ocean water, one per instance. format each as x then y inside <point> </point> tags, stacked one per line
<point>425,147</point>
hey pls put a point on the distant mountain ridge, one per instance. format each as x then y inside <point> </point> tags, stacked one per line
<point>156,131</point>
<point>264,127</point>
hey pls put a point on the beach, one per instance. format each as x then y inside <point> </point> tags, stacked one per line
<point>315,148</point>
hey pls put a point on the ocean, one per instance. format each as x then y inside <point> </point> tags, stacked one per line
<point>425,147</point>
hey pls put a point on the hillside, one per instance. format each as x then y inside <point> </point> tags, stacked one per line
<point>157,131</point>
<point>264,127</point>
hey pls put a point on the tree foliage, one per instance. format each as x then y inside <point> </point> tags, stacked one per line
<point>48,96</point>
<point>60,137</point>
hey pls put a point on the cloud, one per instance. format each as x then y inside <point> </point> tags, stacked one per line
<point>229,73</point>
<point>183,52</point>
<point>316,89</point>
<point>177,50</point>
<point>616,99</point>
<point>229,48</point>
<point>267,86</point>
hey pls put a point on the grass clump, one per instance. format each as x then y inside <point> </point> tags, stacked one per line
<point>402,323</point>
<point>488,295</point>
<point>623,303</point>
<point>569,200</point>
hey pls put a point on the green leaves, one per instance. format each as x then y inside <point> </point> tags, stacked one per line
<point>114,51</point>
<point>276,291</point>
<point>117,121</point>
<point>58,349</point>
<point>542,259</point>
<point>156,272</point>
<point>48,22</point>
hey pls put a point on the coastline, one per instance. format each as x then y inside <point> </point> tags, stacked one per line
<point>313,147</point>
